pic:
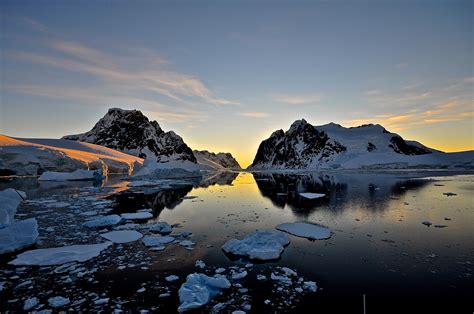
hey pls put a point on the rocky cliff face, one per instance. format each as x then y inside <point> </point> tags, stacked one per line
<point>219,161</point>
<point>131,132</point>
<point>305,146</point>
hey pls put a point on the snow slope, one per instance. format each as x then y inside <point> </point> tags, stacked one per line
<point>332,146</point>
<point>35,156</point>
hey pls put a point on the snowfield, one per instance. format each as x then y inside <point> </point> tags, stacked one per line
<point>35,156</point>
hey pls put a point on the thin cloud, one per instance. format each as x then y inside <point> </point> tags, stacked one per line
<point>257,115</point>
<point>450,111</point>
<point>119,72</point>
<point>297,99</point>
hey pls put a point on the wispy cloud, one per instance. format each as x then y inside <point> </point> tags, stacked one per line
<point>450,111</point>
<point>297,99</point>
<point>258,115</point>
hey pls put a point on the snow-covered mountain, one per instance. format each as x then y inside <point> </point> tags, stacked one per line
<point>35,156</point>
<point>131,132</point>
<point>219,161</point>
<point>305,146</point>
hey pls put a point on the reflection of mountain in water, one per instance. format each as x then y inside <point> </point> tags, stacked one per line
<point>166,197</point>
<point>372,191</point>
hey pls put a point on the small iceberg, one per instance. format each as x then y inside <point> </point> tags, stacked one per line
<point>60,255</point>
<point>122,236</point>
<point>305,230</point>
<point>10,199</point>
<point>105,221</point>
<point>18,235</point>
<point>137,216</point>
<point>78,175</point>
<point>312,196</point>
<point>260,245</point>
<point>199,289</point>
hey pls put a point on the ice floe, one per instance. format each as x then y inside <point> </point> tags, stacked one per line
<point>58,301</point>
<point>312,196</point>
<point>305,230</point>
<point>105,221</point>
<point>18,235</point>
<point>122,236</point>
<point>158,227</point>
<point>60,255</point>
<point>260,245</point>
<point>9,201</point>
<point>137,216</point>
<point>157,240</point>
<point>78,175</point>
<point>199,289</point>
<point>30,303</point>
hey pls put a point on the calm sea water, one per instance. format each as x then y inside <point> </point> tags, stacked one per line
<point>379,247</point>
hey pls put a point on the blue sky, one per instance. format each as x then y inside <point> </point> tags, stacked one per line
<point>225,74</point>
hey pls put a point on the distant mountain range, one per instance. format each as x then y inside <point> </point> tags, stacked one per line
<point>333,146</point>
<point>131,132</point>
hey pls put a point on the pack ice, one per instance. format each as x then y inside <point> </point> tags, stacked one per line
<point>305,230</point>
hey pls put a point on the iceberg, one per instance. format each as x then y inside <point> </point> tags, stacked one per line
<point>305,230</point>
<point>199,289</point>
<point>60,255</point>
<point>78,175</point>
<point>18,235</point>
<point>9,201</point>
<point>122,236</point>
<point>312,196</point>
<point>260,245</point>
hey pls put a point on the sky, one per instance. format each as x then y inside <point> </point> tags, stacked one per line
<point>225,74</point>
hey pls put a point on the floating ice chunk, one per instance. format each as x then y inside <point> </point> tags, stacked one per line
<point>137,216</point>
<point>101,301</point>
<point>312,196</point>
<point>239,275</point>
<point>306,230</point>
<point>58,301</point>
<point>105,221</point>
<point>238,312</point>
<point>260,245</point>
<point>199,289</point>
<point>161,227</point>
<point>310,285</point>
<point>78,175</point>
<point>281,278</point>
<point>30,303</point>
<point>59,204</point>
<point>142,183</point>
<point>9,200</point>
<point>122,236</point>
<point>157,240</point>
<point>171,278</point>
<point>186,243</point>
<point>261,277</point>
<point>60,255</point>
<point>289,271</point>
<point>220,270</point>
<point>89,213</point>
<point>128,226</point>
<point>199,263</point>
<point>18,235</point>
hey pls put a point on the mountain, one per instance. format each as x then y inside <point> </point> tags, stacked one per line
<point>333,146</point>
<point>213,161</point>
<point>131,132</point>
<point>35,156</point>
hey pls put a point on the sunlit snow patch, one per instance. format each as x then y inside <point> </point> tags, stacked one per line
<point>260,245</point>
<point>305,230</point>
<point>199,289</point>
<point>122,236</point>
<point>60,255</point>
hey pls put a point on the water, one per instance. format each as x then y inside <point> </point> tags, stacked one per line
<point>379,247</point>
